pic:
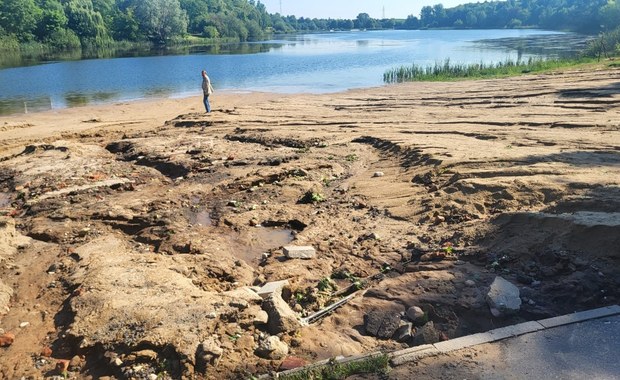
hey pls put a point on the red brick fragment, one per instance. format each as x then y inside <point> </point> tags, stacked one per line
<point>7,339</point>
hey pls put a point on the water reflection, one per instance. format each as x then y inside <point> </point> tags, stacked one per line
<point>249,245</point>
<point>554,46</point>
<point>17,58</point>
<point>25,105</point>
<point>74,99</point>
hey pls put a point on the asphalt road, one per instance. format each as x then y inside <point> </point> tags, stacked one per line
<point>588,350</point>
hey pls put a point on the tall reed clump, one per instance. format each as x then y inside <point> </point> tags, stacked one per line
<point>447,70</point>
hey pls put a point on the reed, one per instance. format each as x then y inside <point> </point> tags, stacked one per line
<point>450,71</point>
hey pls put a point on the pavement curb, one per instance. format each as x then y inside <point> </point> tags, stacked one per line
<point>407,355</point>
<point>414,353</point>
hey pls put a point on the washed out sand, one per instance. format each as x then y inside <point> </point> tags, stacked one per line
<point>134,235</point>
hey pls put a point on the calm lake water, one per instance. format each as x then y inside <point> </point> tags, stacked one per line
<point>311,63</point>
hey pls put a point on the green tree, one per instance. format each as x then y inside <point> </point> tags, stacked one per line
<point>19,17</point>
<point>53,20</point>
<point>85,21</point>
<point>610,15</point>
<point>161,20</point>
<point>411,22</point>
<point>363,21</point>
<point>427,17</point>
<point>125,26</point>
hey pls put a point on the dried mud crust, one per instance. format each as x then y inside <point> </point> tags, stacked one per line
<point>143,247</point>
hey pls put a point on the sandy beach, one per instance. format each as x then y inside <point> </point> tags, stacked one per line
<point>135,237</point>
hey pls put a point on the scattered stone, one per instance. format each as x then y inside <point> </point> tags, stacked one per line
<point>403,333</point>
<point>261,318</point>
<point>52,268</point>
<point>62,366</point>
<point>299,252</point>
<point>145,356</point>
<point>416,315</point>
<point>46,352</point>
<point>433,256</point>
<point>382,323</point>
<point>208,353</point>
<point>7,339</point>
<point>426,334</point>
<point>239,304</point>
<point>24,324</point>
<point>378,174</point>
<point>280,316</point>
<point>503,298</point>
<point>75,364</point>
<point>272,288</point>
<point>272,348</point>
<point>470,283</point>
<point>292,362</point>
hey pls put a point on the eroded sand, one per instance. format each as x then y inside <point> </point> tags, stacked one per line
<point>148,220</point>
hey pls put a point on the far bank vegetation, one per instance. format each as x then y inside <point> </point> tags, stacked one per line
<point>70,24</point>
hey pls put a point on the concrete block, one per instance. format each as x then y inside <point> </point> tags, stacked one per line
<point>411,350</point>
<point>413,354</point>
<point>580,316</point>
<point>463,342</point>
<point>272,287</point>
<point>299,252</point>
<point>515,330</point>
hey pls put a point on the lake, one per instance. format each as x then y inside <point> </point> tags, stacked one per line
<point>309,63</point>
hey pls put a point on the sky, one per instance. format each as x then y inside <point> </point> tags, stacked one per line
<point>349,9</point>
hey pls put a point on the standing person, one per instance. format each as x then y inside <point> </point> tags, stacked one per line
<point>207,90</point>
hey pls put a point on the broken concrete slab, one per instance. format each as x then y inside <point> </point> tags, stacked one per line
<point>281,317</point>
<point>503,297</point>
<point>271,288</point>
<point>272,348</point>
<point>299,252</point>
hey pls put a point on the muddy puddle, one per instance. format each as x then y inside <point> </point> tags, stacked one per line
<point>251,244</point>
<point>200,218</point>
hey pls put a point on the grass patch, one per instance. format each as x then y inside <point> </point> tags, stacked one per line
<point>449,71</point>
<point>337,371</point>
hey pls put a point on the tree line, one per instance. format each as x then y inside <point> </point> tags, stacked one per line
<point>75,23</point>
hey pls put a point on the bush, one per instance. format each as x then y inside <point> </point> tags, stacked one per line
<point>64,39</point>
<point>9,43</point>
<point>608,44</point>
